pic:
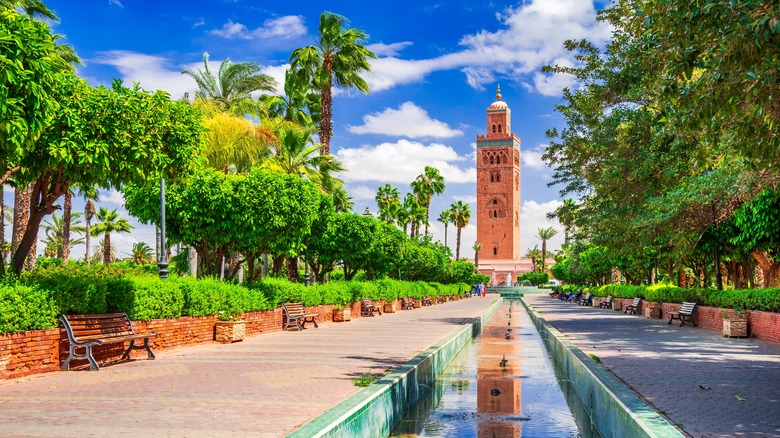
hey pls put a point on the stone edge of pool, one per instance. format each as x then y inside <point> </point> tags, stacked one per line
<point>613,409</point>
<point>378,408</point>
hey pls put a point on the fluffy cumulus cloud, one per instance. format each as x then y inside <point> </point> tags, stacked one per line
<point>533,34</point>
<point>409,120</point>
<point>533,216</point>
<point>381,49</point>
<point>289,26</point>
<point>152,72</point>
<point>116,3</point>
<point>402,161</point>
<point>112,196</point>
<point>533,158</point>
<point>362,193</point>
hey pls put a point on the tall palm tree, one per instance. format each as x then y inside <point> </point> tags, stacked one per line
<point>110,222</point>
<point>477,248</point>
<point>387,197</point>
<point>21,217</point>
<point>427,184</point>
<point>545,234</point>
<point>338,57</point>
<point>299,104</point>
<point>402,217</point>
<point>232,87</point>
<point>342,201</point>
<point>98,249</point>
<point>444,217</point>
<point>461,215</point>
<point>33,8</point>
<point>416,213</point>
<point>57,228</point>
<point>534,254</point>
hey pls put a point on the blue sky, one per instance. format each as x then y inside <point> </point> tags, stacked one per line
<point>438,67</point>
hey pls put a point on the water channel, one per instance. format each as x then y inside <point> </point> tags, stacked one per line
<point>502,384</point>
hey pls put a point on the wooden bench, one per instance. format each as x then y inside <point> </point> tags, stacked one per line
<point>86,331</point>
<point>296,316</point>
<point>441,299</point>
<point>684,314</point>
<point>586,300</point>
<point>426,301</point>
<point>368,308</point>
<point>606,304</point>
<point>407,303</point>
<point>632,308</point>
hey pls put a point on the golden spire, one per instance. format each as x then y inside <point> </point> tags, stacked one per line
<point>498,92</point>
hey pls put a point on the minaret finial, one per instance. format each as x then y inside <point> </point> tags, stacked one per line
<point>498,92</point>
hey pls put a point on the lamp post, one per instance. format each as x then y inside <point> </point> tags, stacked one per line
<point>162,264</point>
<point>367,213</point>
<point>306,276</point>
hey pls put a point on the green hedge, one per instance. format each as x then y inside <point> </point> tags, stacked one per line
<point>750,299</point>
<point>34,301</point>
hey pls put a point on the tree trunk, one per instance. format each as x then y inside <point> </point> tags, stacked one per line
<point>292,269</point>
<point>278,263</point>
<point>66,218</point>
<point>21,217</point>
<point>476,260</point>
<point>769,267</point>
<point>107,248</point>
<point>192,259</point>
<point>2,231</point>
<point>326,115</point>
<point>457,247</point>
<point>427,217</point>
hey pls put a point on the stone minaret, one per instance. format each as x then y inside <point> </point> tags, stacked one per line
<point>498,186</point>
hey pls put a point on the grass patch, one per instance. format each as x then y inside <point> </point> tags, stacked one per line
<point>366,379</point>
<point>595,358</point>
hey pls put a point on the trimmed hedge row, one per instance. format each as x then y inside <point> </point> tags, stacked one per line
<point>750,299</point>
<point>34,302</point>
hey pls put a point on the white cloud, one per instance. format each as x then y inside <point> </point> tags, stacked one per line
<point>402,161</point>
<point>116,3</point>
<point>289,26</point>
<point>409,120</point>
<point>113,196</point>
<point>152,72</point>
<point>201,22</point>
<point>469,199</point>
<point>533,216</point>
<point>532,35</point>
<point>381,49</point>
<point>362,193</point>
<point>533,158</point>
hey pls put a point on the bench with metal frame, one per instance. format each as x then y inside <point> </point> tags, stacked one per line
<point>606,304</point>
<point>407,303</point>
<point>586,300</point>
<point>368,308</point>
<point>296,316</point>
<point>632,308</point>
<point>685,314</point>
<point>426,301</point>
<point>86,331</point>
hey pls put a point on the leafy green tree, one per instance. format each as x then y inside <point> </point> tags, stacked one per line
<point>461,215</point>
<point>347,238</point>
<point>422,260</point>
<point>87,145</point>
<point>232,86</point>
<point>338,57</point>
<point>427,184</point>
<point>110,222</point>
<point>460,271</point>
<point>388,198</point>
<point>386,246</point>
<point>757,223</point>
<point>218,214</point>
<point>596,264</point>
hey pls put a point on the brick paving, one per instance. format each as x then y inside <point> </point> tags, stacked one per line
<point>265,386</point>
<point>708,385</point>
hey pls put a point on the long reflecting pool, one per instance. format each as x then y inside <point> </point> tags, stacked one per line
<point>502,384</point>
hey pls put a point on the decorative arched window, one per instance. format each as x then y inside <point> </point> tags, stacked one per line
<point>495,213</point>
<point>495,201</point>
<point>491,160</point>
<point>499,127</point>
<point>491,178</point>
<point>498,159</point>
<point>498,177</point>
<point>495,250</point>
<point>494,128</point>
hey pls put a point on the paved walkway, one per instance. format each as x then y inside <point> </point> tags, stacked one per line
<point>267,385</point>
<point>709,385</point>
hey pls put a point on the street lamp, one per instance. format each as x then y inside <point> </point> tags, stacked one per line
<point>306,277</point>
<point>162,264</point>
<point>367,213</point>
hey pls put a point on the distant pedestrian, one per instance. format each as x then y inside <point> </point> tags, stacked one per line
<point>484,291</point>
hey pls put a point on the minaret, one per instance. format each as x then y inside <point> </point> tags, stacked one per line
<point>498,186</point>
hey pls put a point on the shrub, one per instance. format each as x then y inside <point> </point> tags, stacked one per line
<point>154,298</point>
<point>25,307</point>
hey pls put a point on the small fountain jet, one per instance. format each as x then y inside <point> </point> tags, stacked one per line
<point>503,361</point>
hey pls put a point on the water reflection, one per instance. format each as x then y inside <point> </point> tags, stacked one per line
<point>500,385</point>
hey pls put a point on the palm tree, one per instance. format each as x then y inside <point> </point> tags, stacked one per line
<point>233,85</point>
<point>545,234</point>
<point>444,217</point>
<point>98,255</point>
<point>339,56</point>
<point>416,213</point>
<point>342,201</point>
<point>461,215</point>
<point>33,8</point>
<point>90,210</point>
<point>565,215</point>
<point>387,197</point>
<point>477,248</point>
<point>534,254</point>
<point>141,254</point>
<point>110,222</point>
<point>56,228</point>
<point>295,153</point>
<point>427,184</point>
<point>299,104</point>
